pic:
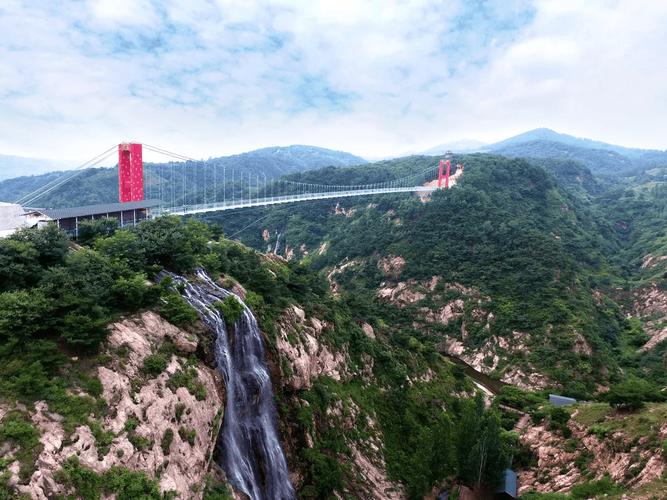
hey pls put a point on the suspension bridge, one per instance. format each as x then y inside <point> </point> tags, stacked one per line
<point>185,186</point>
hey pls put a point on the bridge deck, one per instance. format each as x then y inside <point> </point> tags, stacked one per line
<point>260,202</point>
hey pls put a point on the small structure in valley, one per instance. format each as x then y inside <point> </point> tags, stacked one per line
<point>557,400</point>
<point>508,489</point>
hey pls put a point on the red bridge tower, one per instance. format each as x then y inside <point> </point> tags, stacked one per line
<point>130,173</point>
<point>446,177</point>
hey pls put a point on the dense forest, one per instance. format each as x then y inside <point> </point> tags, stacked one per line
<point>58,296</point>
<point>541,238</point>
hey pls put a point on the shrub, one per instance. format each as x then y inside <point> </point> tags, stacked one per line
<point>92,385</point>
<point>131,485</point>
<point>17,428</point>
<point>230,308</point>
<point>188,378</point>
<point>155,364</point>
<point>86,483</point>
<point>632,393</point>
<point>139,442</point>
<point>254,300</point>
<point>178,411</point>
<point>167,438</point>
<point>102,438</point>
<point>216,490</point>
<point>601,431</point>
<point>5,489</point>
<point>518,398</point>
<point>594,489</point>
<point>124,483</point>
<point>176,310</point>
<point>558,418</point>
<point>188,435</point>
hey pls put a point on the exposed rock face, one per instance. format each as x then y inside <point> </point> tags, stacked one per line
<point>651,303</point>
<point>629,461</point>
<point>485,358</point>
<point>331,277</point>
<point>152,408</point>
<point>338,210</point>
<point>368,330</point>
<point>652,260</point>
<point>401,294</point>
<point>367,461</point>
<point>581,345</point>
<point>299,343</point>
<point>555,470</point>
<point>305,356</point>
<point>392,266</point>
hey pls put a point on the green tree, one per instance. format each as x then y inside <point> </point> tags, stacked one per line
<point>176,310</point>
<point>174,243</point>
<point>481,452</point>
<point>123,245</point>
<point>89,230</point>
<point>24,314</point>
<point>19,264</point>
<point>632,393</point>
<point>50,242</point>
<point>133,292</point>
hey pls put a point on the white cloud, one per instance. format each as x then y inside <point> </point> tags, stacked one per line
<point>211,77</point>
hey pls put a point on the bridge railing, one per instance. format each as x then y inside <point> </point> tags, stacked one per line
<point>275,200</point>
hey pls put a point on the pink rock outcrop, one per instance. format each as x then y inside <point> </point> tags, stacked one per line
<point>182,465</point>
<point>299,343</point>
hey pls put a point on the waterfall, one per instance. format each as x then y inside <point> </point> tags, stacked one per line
<point>252,456</point>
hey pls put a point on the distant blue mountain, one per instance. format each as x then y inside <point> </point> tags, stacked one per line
<point>602,158</point>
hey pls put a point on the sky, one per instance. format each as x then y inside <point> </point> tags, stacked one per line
<point>373,77</point>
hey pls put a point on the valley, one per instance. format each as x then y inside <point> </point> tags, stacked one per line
<point>410,342</point>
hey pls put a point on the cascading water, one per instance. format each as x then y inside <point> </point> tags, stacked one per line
<point>251,453</point>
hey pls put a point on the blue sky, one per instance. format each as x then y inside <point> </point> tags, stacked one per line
<point>374,77</point>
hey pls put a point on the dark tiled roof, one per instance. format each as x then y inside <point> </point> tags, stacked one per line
<point>105,208</point>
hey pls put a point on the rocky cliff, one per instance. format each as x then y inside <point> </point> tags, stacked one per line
<point>601,442</point>
<point>161,413</point>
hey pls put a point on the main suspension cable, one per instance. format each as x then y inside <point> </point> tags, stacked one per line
<point>50,186</point>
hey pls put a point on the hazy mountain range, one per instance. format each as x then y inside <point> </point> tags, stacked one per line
<point>15,166</point>
<point>602,158</point>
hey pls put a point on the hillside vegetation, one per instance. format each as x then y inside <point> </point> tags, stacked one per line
<point>58,298</point>
<point>539,243</point>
